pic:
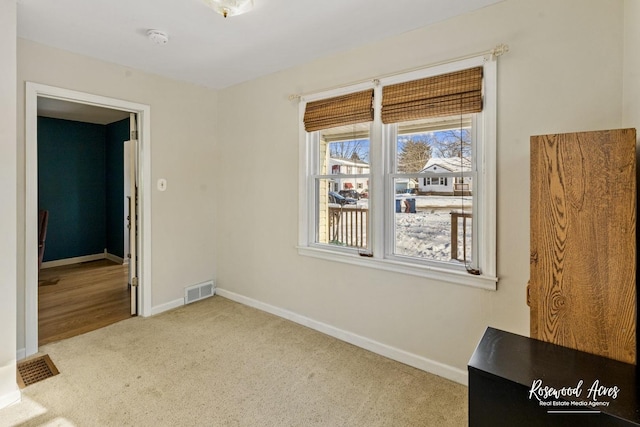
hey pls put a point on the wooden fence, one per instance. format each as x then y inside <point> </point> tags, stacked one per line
<point>348,226</point>
<point>455,215</point>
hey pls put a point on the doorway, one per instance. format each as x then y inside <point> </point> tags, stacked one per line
<point>143,153</point>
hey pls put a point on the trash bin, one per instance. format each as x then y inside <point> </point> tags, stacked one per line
<point>412,205</point>
<point>401,205</point>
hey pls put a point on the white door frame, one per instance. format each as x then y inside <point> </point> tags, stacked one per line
<point>32,93</point>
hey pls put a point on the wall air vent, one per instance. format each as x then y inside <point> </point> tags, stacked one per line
<point>200,291</point>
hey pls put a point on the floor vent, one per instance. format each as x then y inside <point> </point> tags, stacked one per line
<point>197,292</point>
<point>37,369</point>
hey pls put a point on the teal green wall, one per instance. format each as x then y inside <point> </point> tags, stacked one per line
<point>78,187</point>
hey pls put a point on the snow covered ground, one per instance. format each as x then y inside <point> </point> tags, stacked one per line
<point>426,234</point>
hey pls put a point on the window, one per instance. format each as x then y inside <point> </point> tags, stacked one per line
<point>414,158</point>
<point>442,180</point>
<point>437,152</point>
<point>341,220</point>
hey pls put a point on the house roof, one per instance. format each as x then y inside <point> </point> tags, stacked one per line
<point>451,164</point>
<point>347,162</point>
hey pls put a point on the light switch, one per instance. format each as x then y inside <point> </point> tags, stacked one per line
<point>162,184</point>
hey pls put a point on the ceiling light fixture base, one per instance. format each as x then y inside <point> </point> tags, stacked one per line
<point>230,7</point>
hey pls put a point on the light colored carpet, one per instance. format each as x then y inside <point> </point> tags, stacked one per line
<point>219,363</point>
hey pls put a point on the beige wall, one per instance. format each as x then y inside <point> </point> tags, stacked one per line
<point>183,152</point>
<point>631,77</point>
<point>8,387</point>
<point>563,74</point>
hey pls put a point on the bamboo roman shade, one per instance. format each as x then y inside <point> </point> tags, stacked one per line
<point>340,110</point>
<point>449,94</point>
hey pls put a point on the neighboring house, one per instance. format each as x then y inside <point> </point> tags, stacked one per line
<point>349,167</point>
<point>404,184</point>
<point>448,185</point>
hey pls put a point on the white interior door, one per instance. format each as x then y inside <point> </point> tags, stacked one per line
<point>131,171</point>
<point>126,195</point>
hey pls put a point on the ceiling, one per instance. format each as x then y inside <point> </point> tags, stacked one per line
<point>206,49</point>
<point>58,109</point>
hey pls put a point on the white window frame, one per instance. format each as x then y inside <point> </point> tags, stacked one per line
<point>314,174</point>
<point>381,210</point>
<point>391,135</point>
<point>442,180</point>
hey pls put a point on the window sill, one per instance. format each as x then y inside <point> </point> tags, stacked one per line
<point>446,275</point>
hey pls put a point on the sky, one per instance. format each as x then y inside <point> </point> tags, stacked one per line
<point>363,145</point>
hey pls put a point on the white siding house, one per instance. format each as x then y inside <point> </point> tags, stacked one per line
<point>439,177</point>
<point>349,167</point>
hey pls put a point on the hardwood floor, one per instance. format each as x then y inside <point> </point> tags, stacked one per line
<point>79,298</point>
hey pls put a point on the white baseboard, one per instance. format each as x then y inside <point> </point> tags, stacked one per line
<point>21,353</point>
<point>85,258</point>
<point>10,398</point>
<point>74,260</point>
<point>167,306</point>
<point>419,362</point>
<point>115,258</point>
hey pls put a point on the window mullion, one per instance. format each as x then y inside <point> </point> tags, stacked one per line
<point>433,174</point>
<point>306,215</point>
<point>390,137</point>
<point>376,193</point>
<point>312,158</point>
<point>344,175</point>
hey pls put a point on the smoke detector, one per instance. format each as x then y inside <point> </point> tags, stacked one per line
<point>158,37</point>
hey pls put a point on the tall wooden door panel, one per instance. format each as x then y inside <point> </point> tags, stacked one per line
<point>582,289</point>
